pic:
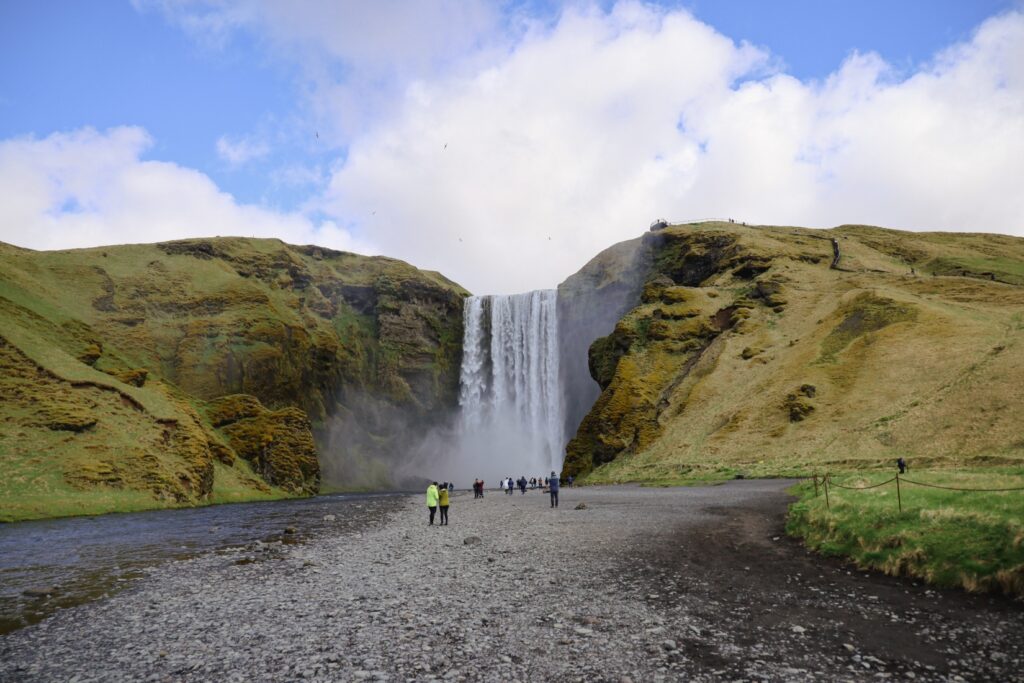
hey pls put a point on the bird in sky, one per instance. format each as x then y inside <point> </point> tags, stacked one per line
<point>445,147</point>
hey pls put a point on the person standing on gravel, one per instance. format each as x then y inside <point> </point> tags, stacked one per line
<point>443,504</point>
<point>553,489</point>
<point>432,496</point>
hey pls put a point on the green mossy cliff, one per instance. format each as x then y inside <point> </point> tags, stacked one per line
<point>748,349</point>
<point>211,370</point>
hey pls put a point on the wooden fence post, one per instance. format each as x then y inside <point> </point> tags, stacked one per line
<point>828,505</point>
<point>815,485</point>
<point>899,498</point>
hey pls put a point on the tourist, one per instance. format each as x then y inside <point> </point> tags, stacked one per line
<point>569,481</point>
<point>451,486</point>
<point>508,486</point>
<point>553,489</point>
<point>902,464</point>
<point>443,503</point>
<point>432,496</point>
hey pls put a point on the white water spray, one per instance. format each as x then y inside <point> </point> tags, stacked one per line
<point>512,417</point>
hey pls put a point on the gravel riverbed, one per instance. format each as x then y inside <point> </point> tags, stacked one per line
<point>641,584</point>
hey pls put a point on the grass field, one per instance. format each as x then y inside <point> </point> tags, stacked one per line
<point>968,539</point>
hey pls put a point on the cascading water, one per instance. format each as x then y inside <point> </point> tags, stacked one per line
<point>512,416</point>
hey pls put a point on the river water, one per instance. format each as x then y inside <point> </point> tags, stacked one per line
<point>85,558</point>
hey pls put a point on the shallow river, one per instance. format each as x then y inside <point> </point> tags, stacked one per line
<point>84,558</point>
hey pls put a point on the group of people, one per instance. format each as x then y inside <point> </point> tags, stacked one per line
<point>508,485</point>
<point>439,496</point>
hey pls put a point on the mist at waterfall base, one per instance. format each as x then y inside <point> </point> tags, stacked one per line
<point>510,421</point>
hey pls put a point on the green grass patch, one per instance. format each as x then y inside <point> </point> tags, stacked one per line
<point>36,491</point>
<point>968,539</point>
<point>864,315</point>
<point>626,470</point>
<point>239,484</point>
<point>1003,269</point>
<point>62,365</point>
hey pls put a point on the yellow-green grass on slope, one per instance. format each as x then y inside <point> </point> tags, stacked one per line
<point>968,539</point>
<point>64,367</point>
<point>79,448</point>
<point>239,484</point>
<point>642,470</point>
<point>38,494</point>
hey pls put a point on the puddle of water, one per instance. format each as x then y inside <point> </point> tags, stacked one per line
<point>87,558</point>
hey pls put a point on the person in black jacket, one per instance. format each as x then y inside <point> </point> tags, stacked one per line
<point>553,489</point>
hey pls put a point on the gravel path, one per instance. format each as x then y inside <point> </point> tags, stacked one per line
<point>641,585</point>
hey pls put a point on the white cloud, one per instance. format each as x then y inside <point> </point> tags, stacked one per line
<point>87,188</point>
<point>588,130</point>
<point>355,55</point>
<point>507,157</point>
<point>239,152</point>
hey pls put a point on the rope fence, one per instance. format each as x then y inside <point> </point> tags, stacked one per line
<point>957,488</point>
<point>825,482</point>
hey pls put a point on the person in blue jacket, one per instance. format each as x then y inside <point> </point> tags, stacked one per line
<point>553,489</point>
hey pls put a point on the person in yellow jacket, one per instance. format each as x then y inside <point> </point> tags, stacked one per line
<point>432,497</point>
<point>443,501</point>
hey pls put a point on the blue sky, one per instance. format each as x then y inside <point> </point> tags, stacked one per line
<point>292,112</point>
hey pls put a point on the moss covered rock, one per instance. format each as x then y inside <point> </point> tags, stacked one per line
<point>279,445</point>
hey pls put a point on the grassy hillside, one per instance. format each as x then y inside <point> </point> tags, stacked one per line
<point>201,370</point>
<point>749,353</point>
<point>753,351</point>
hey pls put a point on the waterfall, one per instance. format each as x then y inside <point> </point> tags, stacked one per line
<point>512,416</point>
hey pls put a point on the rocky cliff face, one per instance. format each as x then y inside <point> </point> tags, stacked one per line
<point>214,369</point>
<point>589,305</point>
<point>749,349</point>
